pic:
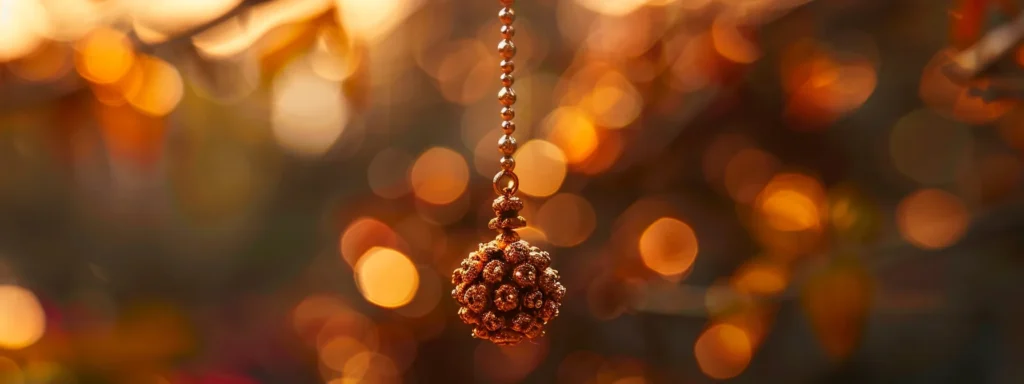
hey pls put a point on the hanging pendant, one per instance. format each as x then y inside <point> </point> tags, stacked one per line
<point>506,289</point>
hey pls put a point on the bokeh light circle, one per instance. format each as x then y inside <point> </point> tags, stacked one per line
<point>566,219</point>
<point>541,167</point>
<point>387,277</point>
<point>932,218</point>
<point>723,351</point>
<point>22,320</point>
<point>668,246</point>
<point>439,176</point>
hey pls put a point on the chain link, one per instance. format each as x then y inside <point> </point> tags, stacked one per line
<point>505,181</point>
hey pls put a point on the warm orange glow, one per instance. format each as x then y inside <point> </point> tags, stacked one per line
<point>485,158</point>
<point>788,210</point>
<point>696,66</point>
<point>130,135</point>
<point>723,351</point>
<point>369,367</point>
<point>23,24</point>
<point>747,173</point>
<point>310,315</point>
<point>668,246</point>
<point>178,15</point>
<point>50,61</point>
<point>386,277</point>
<point>22,320</point>
<point>160,87</point>
<point>337,352</point>
<point>363,234</point>
<point>932,219</point>
<point>10,372</point>
<point>823,86</point>
<point>566,219</point>
<point>571,130</point>
<point>428,295</point>
<point>792,202</point>
<point>239,33</point>
<point>308,113</point>
<point>953,98</point>
<point>837,301</point>
<point>334,56</point>
<point>613,8</point>
<point>730,41</point>
<point>462,74</point>
<point>609,148</point>
<point>373,20</point>
<point>761,278</point>
<point>439,176</point>
<point>533,235</point>
<point>614,102</point>
<point>541,167</point>
<point>348,323</point>
<point>104,56</point>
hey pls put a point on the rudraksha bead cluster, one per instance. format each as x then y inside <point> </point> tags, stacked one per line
<point>506,288</point>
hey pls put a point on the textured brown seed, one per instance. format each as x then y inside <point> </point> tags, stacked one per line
<point>533,300</point>
<point>540,260</point>
<point>495,271</point>
<point>506,302</point>
<point>457,276</point>
<point>517,252</point>
<point>476,298</point>
<point>472,271</point>
<point>506,298</point>
<point>525,275</point>
<point>468,317</point>
<point>493,322</point>
<point>548,280</point>
<point>522,322</point>
<point>549,310</point>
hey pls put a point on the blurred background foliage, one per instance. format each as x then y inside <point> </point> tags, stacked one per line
<point>276,191</point>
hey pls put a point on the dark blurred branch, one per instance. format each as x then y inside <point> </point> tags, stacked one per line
<point>992,47</point>
<point>242,10</point>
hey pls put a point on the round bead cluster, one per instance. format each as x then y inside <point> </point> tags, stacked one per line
<point>507,291</point>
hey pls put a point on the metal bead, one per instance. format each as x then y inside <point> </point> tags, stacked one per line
<point>507,145</point>
<point>507,15</point>
<point>507,113</point>
<point>507,49</point>
<point>508,66</point>
<point>508,31</point>
<point>508,127</point>
<point>507,80</point>
<point>507,96</point>
<point>508,163</point>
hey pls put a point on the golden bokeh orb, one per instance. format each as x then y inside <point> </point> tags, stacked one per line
<point>723,351</point>
<point>386,277</point>
<point>439,176</point>
<point>668,246</point>
<point>932,219</point>
<point>22,320</point>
